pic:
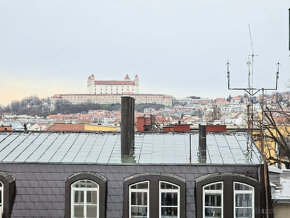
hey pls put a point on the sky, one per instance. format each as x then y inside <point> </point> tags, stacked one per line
<point>178,48</point>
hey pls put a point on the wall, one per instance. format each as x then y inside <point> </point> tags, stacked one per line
<point>5,128</point>
<point>281,210</point>
<point>41,187</point>
<point>216,128</point>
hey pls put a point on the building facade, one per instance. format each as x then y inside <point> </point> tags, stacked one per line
<point>125,86</point>
<point>111,99</point>
<point>51,174</point>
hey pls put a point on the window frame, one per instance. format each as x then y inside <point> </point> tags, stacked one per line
<point>2,199</point>
<point>213,192</point>
<point>91,176</point>
<point>154,195</point>
<point>252,192</point>
<point>170,191</point>
<point>8,193</point>
<point>228,180</point>
<point>85,190</point>
<point>140,190</point>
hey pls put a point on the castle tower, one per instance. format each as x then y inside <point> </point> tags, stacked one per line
<point>127,78</point>
<point>91,84</point>
<point>136,79</point>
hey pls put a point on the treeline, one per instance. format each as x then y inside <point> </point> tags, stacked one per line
<point>65,107</point>
<point>33,106</point>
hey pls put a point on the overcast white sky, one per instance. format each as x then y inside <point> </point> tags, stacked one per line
<point>176,47</point>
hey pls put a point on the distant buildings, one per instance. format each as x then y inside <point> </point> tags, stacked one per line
<point>111,99</point>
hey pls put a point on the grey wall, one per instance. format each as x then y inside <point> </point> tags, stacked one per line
<point>41,187</point>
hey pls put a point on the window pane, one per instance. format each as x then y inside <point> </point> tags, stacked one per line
<point>239,186</point>
<point>91,211</point>
<point>90,184</point>
<point>243,200</point>
<point>79,211</point>
<point>138,211</point>
<point>169,212</point>
<point>244,212</point>
<point>165,185</point>
<point>213,212</point>
<point>79,197</point>
<point>92,197</point>
<point>138,198</point>
<point>143,185</point>
<point>169,199</point>
<point>216,186</point>
<point>84,184</point>
<point>213,200</point>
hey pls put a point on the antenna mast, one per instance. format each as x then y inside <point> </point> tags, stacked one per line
<point>252,91</point>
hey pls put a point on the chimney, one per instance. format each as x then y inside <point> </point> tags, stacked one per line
<point>202,143</point>
<point>127,126</point>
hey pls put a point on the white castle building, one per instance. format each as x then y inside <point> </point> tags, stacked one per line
<point>125,86</point>
<point>110,92</point>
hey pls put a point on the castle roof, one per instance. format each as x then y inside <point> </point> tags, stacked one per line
<point>114,82</point>
<point>127,77</point>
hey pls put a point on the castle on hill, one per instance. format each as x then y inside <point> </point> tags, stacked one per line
<point>125,86</point>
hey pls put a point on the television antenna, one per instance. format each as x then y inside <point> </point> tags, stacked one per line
<point>252,91</point>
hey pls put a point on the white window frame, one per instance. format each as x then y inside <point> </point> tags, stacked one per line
<point>244,192</point>
<point>169,191</point>
<point>85,190</point>
<point>221,192</point>
<point>2,198</point>
<point>139,190</point>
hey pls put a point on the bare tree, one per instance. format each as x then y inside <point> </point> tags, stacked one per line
<point>277,135</point>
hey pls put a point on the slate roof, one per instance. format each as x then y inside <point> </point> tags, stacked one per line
<point>105,148</point>
<point>41,187</point>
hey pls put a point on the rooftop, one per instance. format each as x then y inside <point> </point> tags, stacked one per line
<point>105,148</point>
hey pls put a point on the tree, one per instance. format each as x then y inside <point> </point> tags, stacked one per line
<point>229,98</point>
<point>276,136</point>
<point>215,114</point>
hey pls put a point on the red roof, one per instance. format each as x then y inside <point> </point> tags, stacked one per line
<point>57,96</point>
<point>114,82</point>
<point>136,77</point>
<point>127,77</point>
<point>62,127</point>
<point>219,99</point>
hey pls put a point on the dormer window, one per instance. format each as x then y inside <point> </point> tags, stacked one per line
<point>227,195</point>
<point>151,195</point>
<point>85,195</point>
